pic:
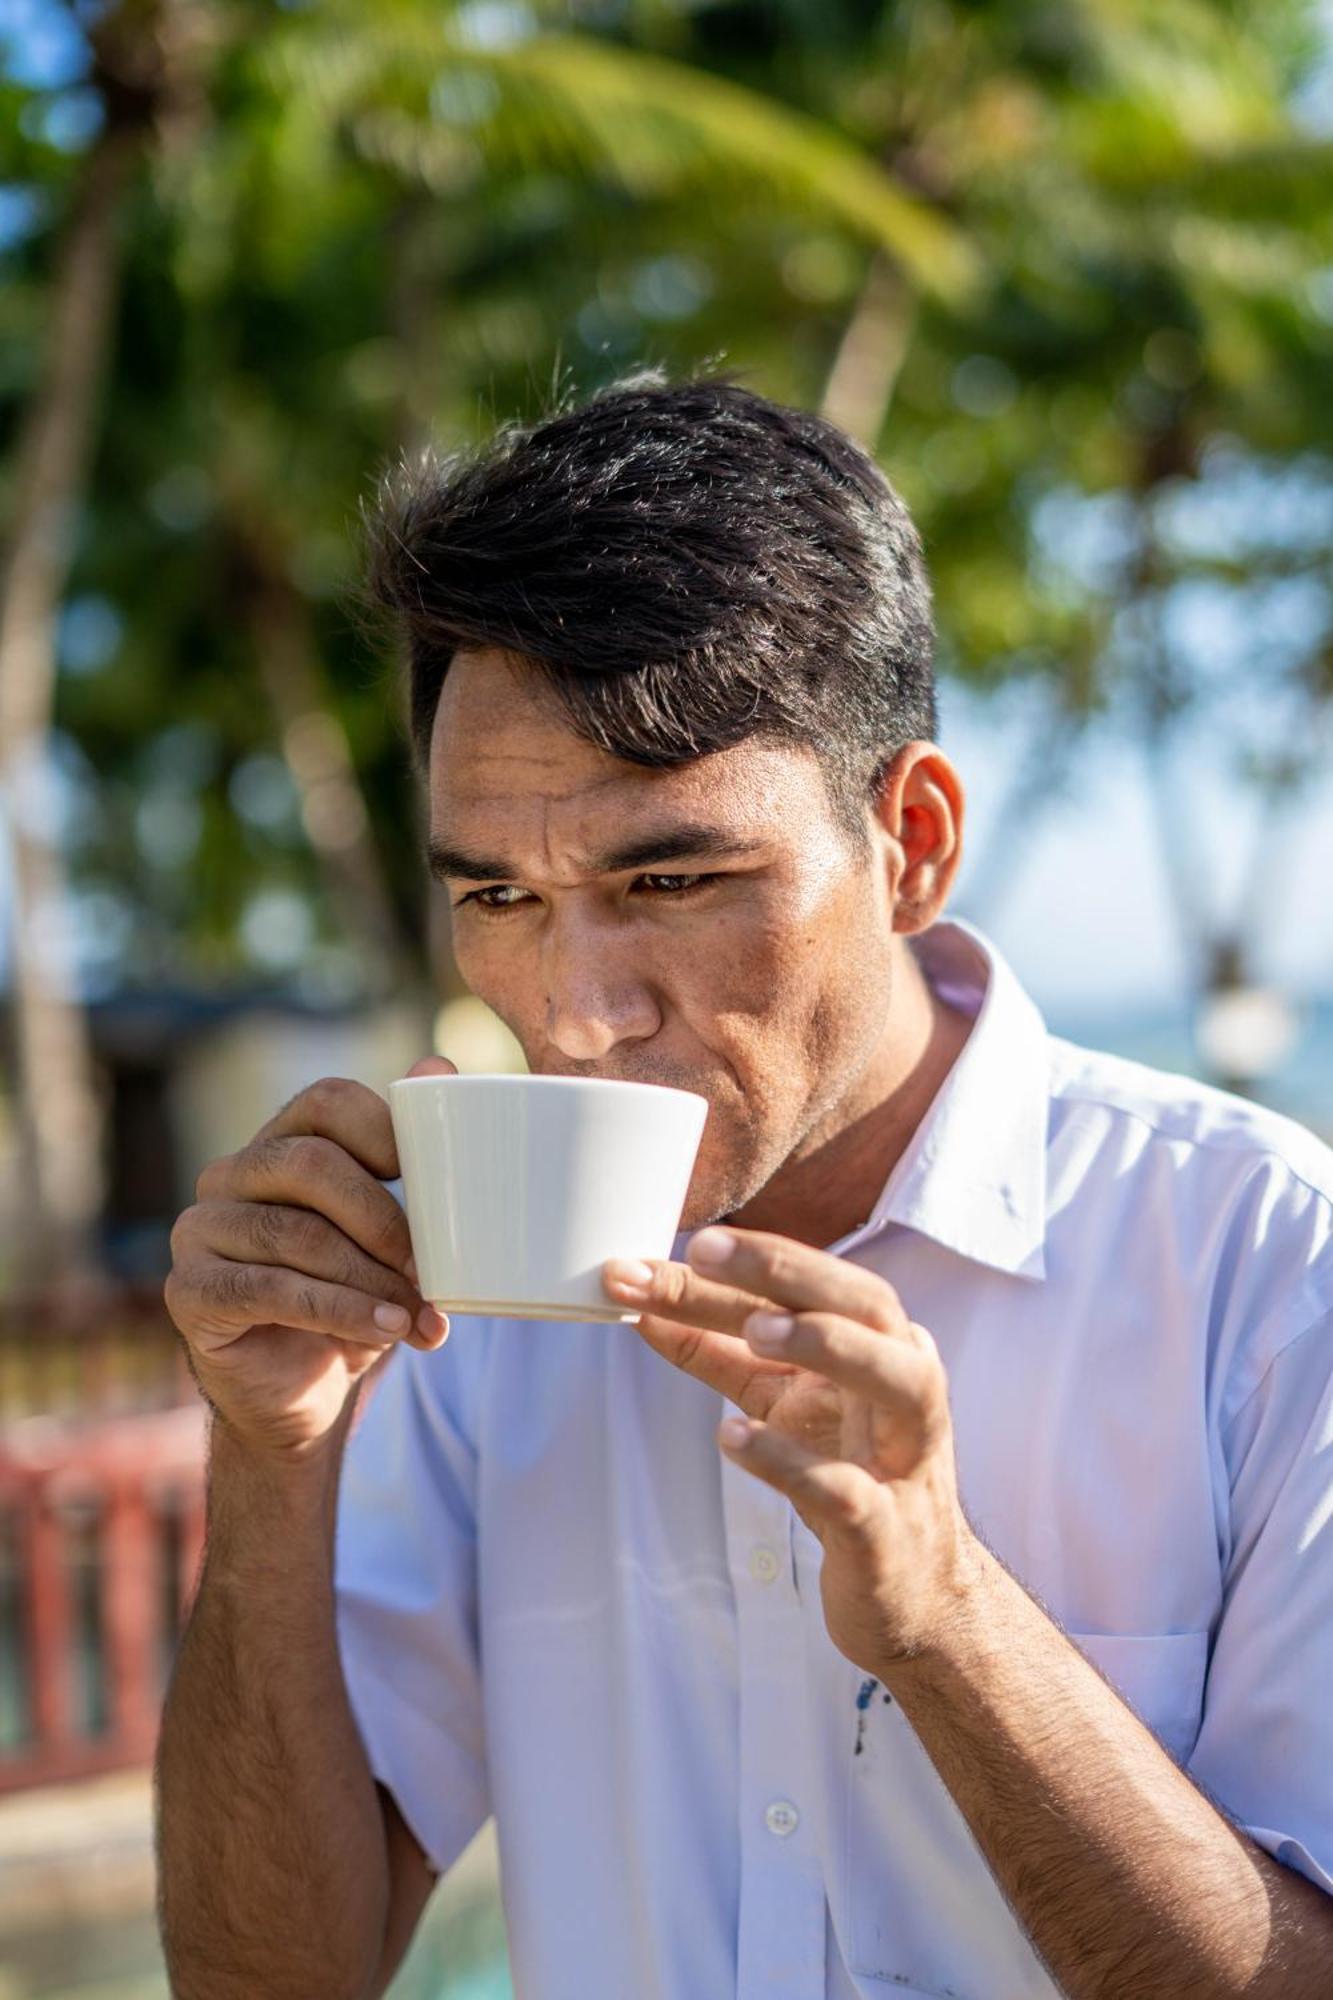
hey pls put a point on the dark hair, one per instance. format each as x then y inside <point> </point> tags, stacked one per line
<point>687,563</point>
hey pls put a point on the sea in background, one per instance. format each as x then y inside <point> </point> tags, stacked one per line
<point>1301,1089</point>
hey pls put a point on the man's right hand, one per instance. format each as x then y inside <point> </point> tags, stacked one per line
<point>278,1268</point>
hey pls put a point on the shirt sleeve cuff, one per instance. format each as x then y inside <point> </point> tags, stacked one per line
<point>1292,1854</point>
<point>439,1790</point>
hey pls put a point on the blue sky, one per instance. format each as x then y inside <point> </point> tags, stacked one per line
<point>1082,908</point>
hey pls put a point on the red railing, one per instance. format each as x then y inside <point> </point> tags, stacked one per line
<point>101,1532</point>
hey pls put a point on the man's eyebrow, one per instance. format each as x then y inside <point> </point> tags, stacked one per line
<point>667,843</point>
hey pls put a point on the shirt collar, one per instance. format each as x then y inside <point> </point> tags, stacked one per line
<point>973,1176</point>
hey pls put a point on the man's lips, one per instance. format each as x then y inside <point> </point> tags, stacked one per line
<point>702,1087</point>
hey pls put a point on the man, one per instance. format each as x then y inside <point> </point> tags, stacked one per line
<point>933,1594</point>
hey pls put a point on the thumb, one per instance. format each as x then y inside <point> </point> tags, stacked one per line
<point>433,1066</point>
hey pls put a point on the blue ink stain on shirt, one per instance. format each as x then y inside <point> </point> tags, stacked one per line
<point>863,1701</point>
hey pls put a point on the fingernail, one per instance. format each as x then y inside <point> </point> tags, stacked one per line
<point>711,1246</point>
<point>733,1430</point>
<point>393,1319</point>
<point>629,1275</point>
<point>769,1329</point>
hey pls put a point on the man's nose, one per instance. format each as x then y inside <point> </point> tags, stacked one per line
<point>595,998</point>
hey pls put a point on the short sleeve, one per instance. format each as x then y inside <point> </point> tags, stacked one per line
<point>1265,1750</point>
<point>405,1582</point>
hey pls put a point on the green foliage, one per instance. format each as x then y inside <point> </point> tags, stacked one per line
<point>1112,235</point>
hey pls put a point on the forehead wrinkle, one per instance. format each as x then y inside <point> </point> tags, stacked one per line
<point>608,781</point>
<point>546,805</point>
<point>738,792</point>
<point>507,806</point>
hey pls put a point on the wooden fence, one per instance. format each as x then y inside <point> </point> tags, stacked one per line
<point>102,1445</point>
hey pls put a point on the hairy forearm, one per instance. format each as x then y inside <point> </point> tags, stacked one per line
<point>1125,1877</point>
<point>272,1866</point>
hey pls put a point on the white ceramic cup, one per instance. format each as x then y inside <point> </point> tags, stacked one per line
<point>518,1188</point>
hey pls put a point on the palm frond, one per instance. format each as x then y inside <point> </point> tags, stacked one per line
<point>648,125</point>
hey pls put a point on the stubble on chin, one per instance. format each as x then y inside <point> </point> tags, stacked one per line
<point>743,1171</point>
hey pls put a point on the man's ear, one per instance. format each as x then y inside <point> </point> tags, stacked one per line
<point>919,806</point>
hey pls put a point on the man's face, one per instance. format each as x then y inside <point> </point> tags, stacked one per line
<point>757,976</point>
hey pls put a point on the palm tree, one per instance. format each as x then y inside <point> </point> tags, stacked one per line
<point>330,107</point>
<point>58,1110</point>
<point>1152,217</point>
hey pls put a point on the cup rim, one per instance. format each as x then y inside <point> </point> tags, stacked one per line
<point>563,1082</point>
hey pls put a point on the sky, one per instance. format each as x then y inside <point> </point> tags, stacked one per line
<point>1082,908</point>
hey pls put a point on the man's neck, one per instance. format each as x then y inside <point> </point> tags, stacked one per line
<point>830,1185</point>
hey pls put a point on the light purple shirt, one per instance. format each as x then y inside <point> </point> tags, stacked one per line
<point>559,1603</point>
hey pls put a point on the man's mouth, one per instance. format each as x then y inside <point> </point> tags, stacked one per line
<point>699,1086</point>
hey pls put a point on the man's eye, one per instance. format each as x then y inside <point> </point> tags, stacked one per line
<point>498,897</point>
<point>481,897</point>
<point>681,884</point>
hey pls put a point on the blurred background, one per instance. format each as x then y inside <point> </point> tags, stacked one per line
<point>1066,269</point>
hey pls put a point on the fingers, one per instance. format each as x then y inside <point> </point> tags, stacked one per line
<point>832,1496</point>
<point>722,1292</point>
<point>260,1232</point>
<point>686,1319</point>
<point>673,1291</point>
<point>307,1170</point>
<point>432,1066</point>
<point>349,1113</point>
<point>214,1300</point>
<point>899,1375</point>
<point>838,1326</point>
<point>796,1275</point>
<point>724,1363</point>
<point>297,1229</point>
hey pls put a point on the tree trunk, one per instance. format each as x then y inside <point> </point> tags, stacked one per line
<point>413,302</point>
<point>871,352</point>
<point>59,1112</point>
<point>317,753</point>
<point>1223,950</point>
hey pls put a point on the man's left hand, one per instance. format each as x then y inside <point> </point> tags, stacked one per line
<point>848,1413</point>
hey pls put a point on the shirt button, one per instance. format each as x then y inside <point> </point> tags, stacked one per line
<point>764,1565</point>
<point>782,1818</point>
